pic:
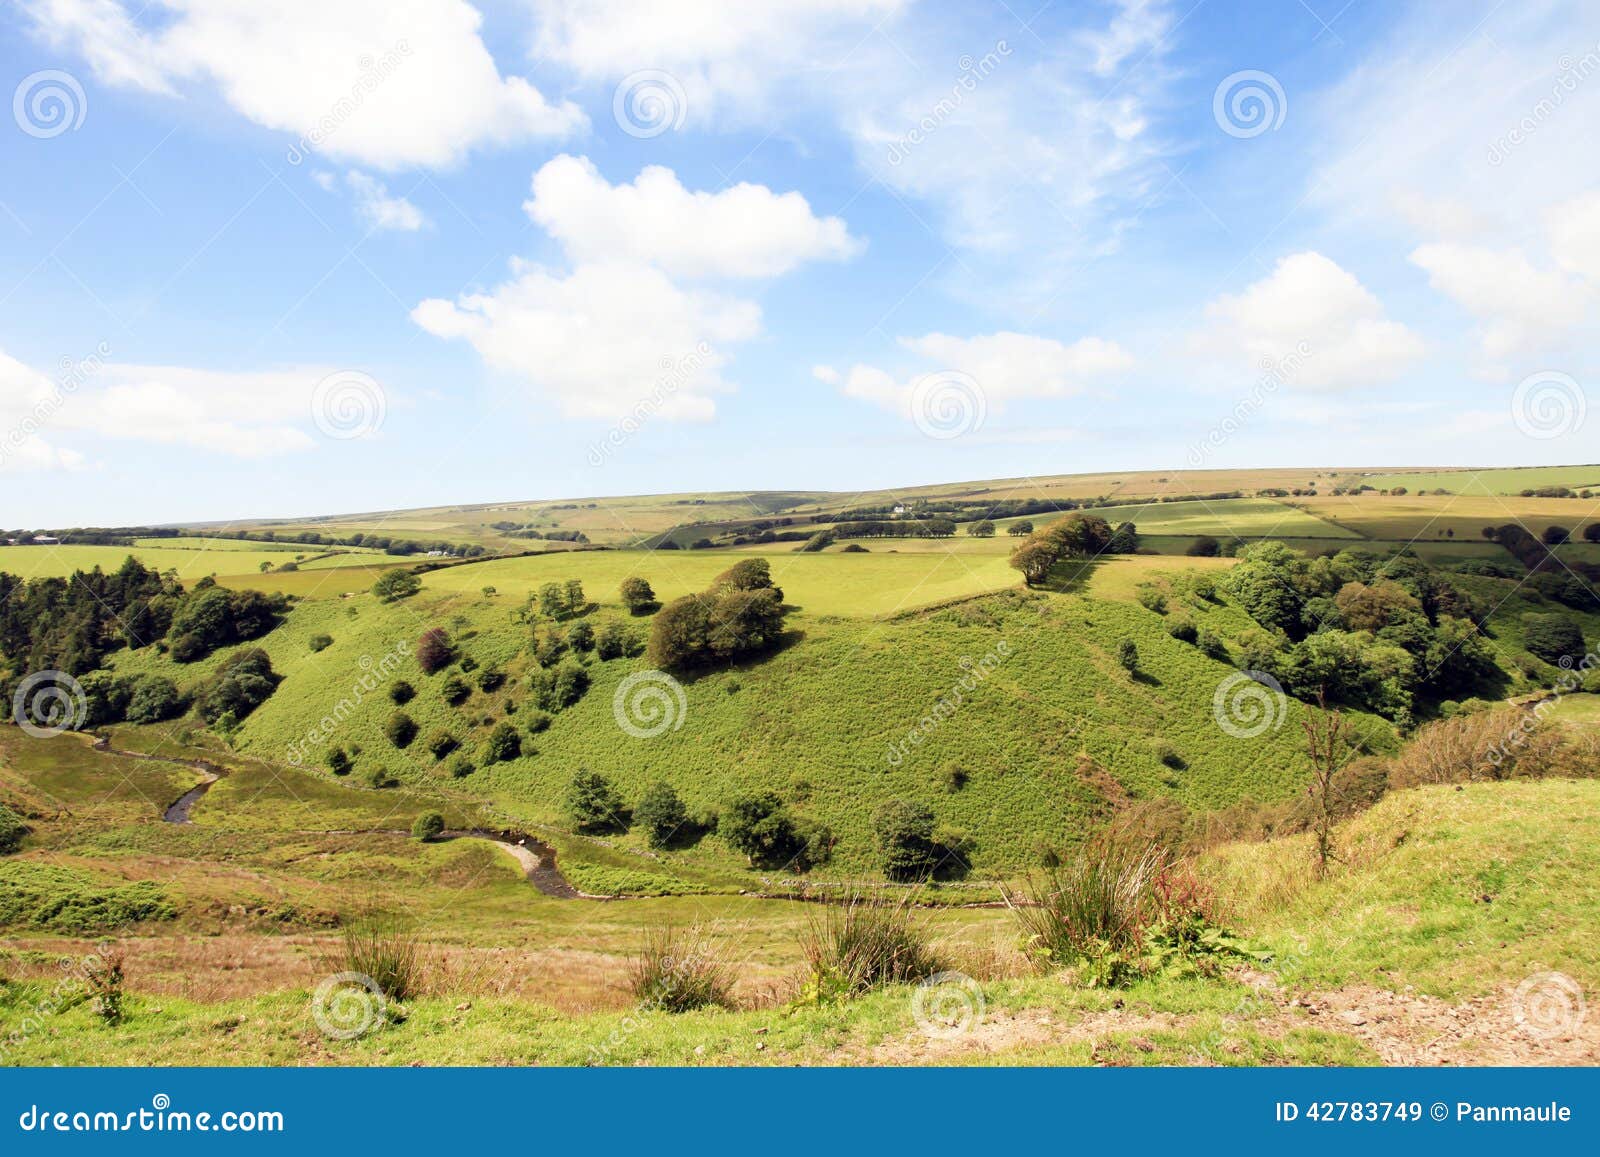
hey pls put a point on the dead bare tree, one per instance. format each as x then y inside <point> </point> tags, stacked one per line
<point>1330,742</point>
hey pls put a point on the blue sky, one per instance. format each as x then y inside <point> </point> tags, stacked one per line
<point>311,258</point>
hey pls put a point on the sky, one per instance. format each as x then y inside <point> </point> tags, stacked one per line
<point>262,260</point>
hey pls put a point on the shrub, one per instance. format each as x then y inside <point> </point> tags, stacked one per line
<point>461,767</point>
<point>855,946</point>
<point>441,743</point>
<point>1204,547</point>
<point>580,636</point>
<point>679,970</point>
<point>1182,629</point>
<point>401,692</point>
<point>434,651</point>
<point>490,680</point>
<point>243,682</point>
<point>637,596</point>
<point>154,698</point>
<point>1153,600</point>
<point>903,830</point>
<point>1092,909</point>
<point>560,688</point>
<point>1128,656</point>
<point>454,691</point>
<point>610,642</point>
<point>1167,754</point>
<point>428,826</point>
<point>338,761</point>
<point>591,803</point>
<point>769,835</point>
<point>396,584</point>
<point>12,829</point>
<point>401,729</point>
<point>386,950</point>
<point>379,777</point>
<point>1552,638</point>
<point>103,977</point>
<point>661,813</point>
<point>502,745</point>
<point>955,778</point>
<point>537,721</point>
<point>320,643</point>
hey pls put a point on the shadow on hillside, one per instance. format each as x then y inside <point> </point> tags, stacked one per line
<point>1072,575</point>
<point>785,641</point>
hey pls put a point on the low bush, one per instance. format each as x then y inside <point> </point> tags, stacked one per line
<point>857,945</point>
<point>679,970</point>
<point>428,826</point>
<point>386,950</point>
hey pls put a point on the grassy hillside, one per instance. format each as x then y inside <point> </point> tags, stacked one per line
<point>1040,731</point>
<point>1412,951</point>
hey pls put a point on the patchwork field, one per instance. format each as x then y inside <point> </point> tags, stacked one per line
<point>1484,482</point>
<point>1409,517</point>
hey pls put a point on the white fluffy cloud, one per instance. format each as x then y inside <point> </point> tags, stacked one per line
<point>380,210</point>
<point>623,327</point>
<point>1574,232</point>
<point>384,84</point>
<point>1003,367</point>
<point>744,231</point>
<point>729,59</point>
<point>1312,315</point>
<point>602,339</point>
<point>241,414</point>
<point>1521,309</point>
<point>28,402</point>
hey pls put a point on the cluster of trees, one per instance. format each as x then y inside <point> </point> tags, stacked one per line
<point>1077,536</point>
<point>241,683</point>
<point>549,535</point>
<point>741,614</point>
<point>1362,629</point>
<point>381,542</point>
<point>914,846</point>
<point>72,624</point>
<point>211,616</point>
<point>897,528</point>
